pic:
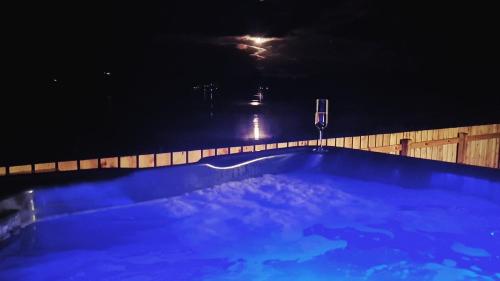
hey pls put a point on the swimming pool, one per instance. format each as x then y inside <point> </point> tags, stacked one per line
<point>287,215</point>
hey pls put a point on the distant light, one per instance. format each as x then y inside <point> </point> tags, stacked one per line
<point>256,133</point>
<point>107,73</point>
<point>256,128</point>
<point>255,103</point>
<point>55,80</point>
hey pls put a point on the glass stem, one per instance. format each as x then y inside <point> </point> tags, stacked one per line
<point>320,143</point>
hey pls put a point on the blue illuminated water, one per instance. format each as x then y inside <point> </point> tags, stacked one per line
<point>294,226</point>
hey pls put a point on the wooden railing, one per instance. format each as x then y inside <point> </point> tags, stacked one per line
<point>472,145</point>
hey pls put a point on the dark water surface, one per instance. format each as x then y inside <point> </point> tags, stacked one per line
<point>107,126</point>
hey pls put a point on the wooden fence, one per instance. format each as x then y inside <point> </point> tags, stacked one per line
<point>472,145</point>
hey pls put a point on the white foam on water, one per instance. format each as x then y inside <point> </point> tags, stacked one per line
<point>469,251</point>
<point>447,271</point>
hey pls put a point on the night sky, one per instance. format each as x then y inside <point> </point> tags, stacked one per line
<point>69,63</point>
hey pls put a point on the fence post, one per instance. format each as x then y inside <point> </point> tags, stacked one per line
<point>461,148</point>
<point>498,162</point>
<point>405,144</point>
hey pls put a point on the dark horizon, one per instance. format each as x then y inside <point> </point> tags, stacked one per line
<point>442,47</point>
<point>77,71</point>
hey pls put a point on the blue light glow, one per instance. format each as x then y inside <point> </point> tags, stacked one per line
<point>300,225</point>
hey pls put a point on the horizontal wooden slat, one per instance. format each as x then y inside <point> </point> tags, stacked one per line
<point>330,142</point>
<point>128,161</point>
<point>379,140</point>
<point>260,147</point>
<point>194,156</point>
<point>235,149</point>
<point>423,144</point>
<point>163,159</point>
<point>303,143</point>
<point>386,149</point>
<point>356,142</point>
<point>483,137</point>
<point>339,142</point>
<point>64,166</point>
<point>88,164</point>
<point>248,148</point>
<point>179,157</point>
<point>364,142</point>
<point>271,146</point>
<point>222,151</point>
<point>146,161</point>
<point>45,167</point>
<point>20,169</point>
<point>208,152</point>
<point>348,142</point>
<point>372,141</point>
<point>109,162</point>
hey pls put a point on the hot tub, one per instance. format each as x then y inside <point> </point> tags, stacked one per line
<point>287,215</point>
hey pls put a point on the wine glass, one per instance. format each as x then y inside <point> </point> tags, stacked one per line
<point>321,120</point>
